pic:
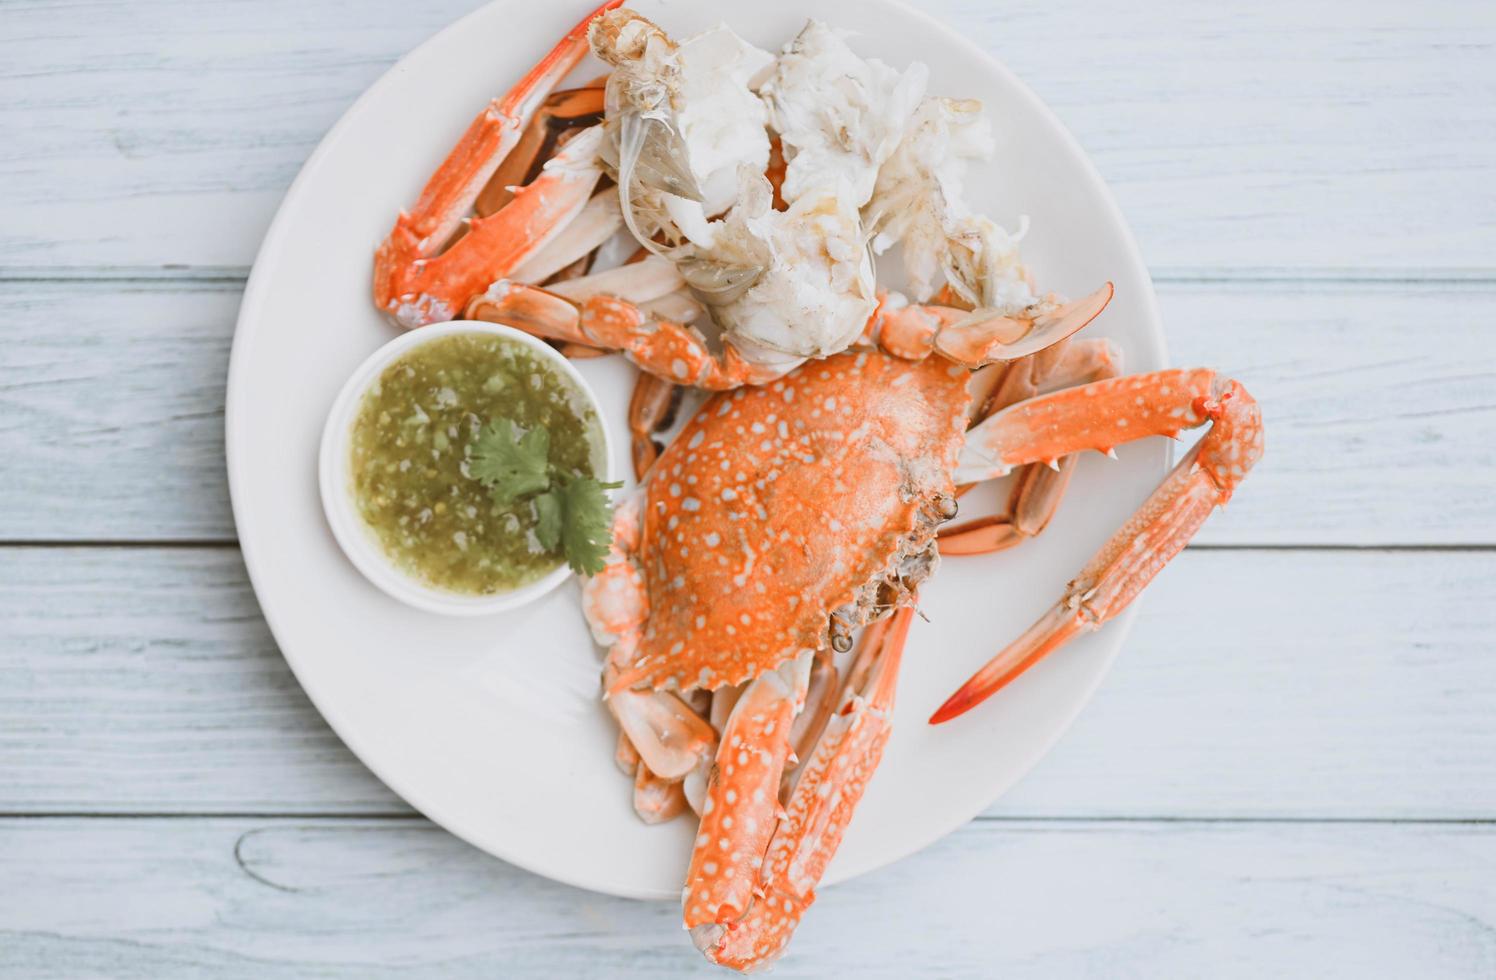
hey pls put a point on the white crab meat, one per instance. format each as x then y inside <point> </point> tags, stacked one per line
<point>919,202</point>
<point>690,141</point>
<point>717,113</point>
<point>816,289</point>
<point>683,119</point>
<point>839,116</point>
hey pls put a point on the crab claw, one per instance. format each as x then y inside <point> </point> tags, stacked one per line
<point>827,788</point>
<point>738,817</point>
<point>414,281</point>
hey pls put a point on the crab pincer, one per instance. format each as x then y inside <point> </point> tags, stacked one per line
<point>825,792</point>
<point>421,275</point>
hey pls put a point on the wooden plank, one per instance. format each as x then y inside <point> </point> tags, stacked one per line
<point>1257,684</point>
<point>255,898</point>
<point>1381,427</point>
<point>145,681</point>
<point>111,411</point>
<point>1238,136</point>
<point>1291,684</point>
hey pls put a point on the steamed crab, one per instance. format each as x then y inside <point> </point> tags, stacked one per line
<point>786,516</point>
<point>710,210</point>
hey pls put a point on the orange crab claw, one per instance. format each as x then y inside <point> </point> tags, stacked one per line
<point>1096,416</point>
<point>560,115</point>
<point>1203,480</point>
<point>415,290</point>
<point>827,788</point>
<point>738,817</point>
<point>414,282</point>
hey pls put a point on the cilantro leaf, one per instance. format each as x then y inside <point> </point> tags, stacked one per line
<point>572,513</point>
<point>510,467</point>
<point>586,531</point>
<point>548,520</point>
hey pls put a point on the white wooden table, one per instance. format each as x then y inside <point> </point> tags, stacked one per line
<point>1292,770</point>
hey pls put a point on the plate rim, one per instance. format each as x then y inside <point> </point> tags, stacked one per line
<point>253,298</point>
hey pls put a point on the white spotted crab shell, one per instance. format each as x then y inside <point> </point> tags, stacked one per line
<point>780,505</point>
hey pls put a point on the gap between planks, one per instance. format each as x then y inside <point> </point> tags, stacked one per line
<point>237,276</point>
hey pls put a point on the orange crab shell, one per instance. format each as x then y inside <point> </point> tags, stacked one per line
<point>778,504</point>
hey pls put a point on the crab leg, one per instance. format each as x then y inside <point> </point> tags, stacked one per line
<point>679,353</point>
<point>657,800</point>
<point>412,282</point>
<point>625,756</point>
<point>675,352</point>
<point>1065,365</point>
<point>827,789</point>
<point>820,700</point>
<point>1037,492</point>
<point>653,404</point>
<point>1031,503</point>
<point>1093,417</point>
<point>724,699</point>
<point>977,337</point>
<point>669,737</point>
<point>636,282</point>
<point>1096,416</point>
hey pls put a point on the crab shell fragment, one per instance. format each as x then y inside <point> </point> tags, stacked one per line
<point>786,515</point>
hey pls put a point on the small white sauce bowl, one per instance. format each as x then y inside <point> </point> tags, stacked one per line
<point>335,475</point>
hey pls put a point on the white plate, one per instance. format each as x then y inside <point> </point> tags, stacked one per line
<point>491,726</point>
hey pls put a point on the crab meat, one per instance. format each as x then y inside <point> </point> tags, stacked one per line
<point>687,139</point>
<point>919,202</point>
<point>816,289</point>
<point>682,121</point>
<point>838,115</point>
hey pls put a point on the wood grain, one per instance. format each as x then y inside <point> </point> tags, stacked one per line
<point>146,681</point>
<point>1257,684</point>
<point>226,898</point>
<point>1381,424</point>
<point>1238,137</point>
<point>111,410</point>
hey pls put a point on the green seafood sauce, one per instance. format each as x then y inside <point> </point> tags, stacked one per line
<point>411,446</point>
